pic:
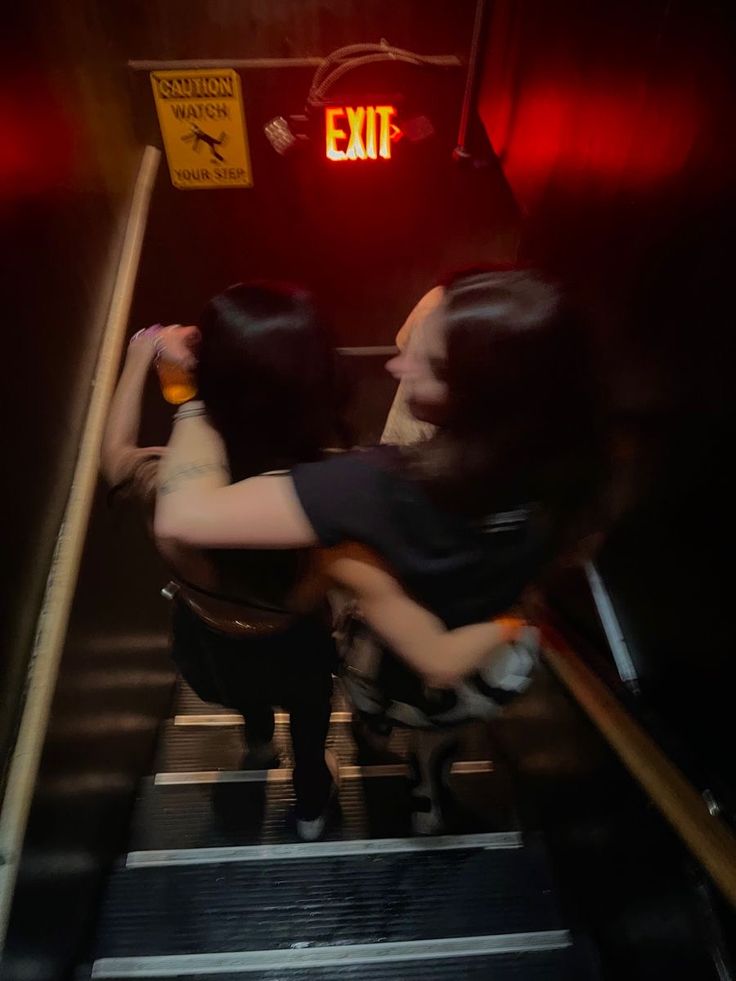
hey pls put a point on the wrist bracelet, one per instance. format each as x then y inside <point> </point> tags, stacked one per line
<point>189,415</point>
<point>189,409</point>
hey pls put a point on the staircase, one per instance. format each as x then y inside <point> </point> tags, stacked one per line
<point>217,886</point>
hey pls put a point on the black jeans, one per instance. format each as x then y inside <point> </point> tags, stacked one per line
<point>292,669</point>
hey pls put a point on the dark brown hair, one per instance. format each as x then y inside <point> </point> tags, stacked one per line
<point>523,419</point>
<point>266,374</point>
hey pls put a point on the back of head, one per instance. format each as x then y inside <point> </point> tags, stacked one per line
<point>266,375</point>
<point>522,416</point>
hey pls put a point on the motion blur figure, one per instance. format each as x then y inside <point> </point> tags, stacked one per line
<point>251,629</point>
<point>465,520</point>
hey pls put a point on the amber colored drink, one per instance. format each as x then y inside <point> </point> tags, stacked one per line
<point>177,384</point>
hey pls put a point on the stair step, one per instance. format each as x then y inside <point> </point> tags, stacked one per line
<point>242,906</point>
<point>185,748</point>
<point>226,814</point>
<point>532,963</point>
<point>319,849</point>
<point>191,748</point>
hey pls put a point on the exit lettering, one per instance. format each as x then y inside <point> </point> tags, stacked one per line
<point>359,132</point>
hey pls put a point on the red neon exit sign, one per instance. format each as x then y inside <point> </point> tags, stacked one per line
<point>360,132</point>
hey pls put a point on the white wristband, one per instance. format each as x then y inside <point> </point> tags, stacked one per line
<point>193,408</point>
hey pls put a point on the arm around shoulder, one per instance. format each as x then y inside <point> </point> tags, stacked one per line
<point>197,506</point>
<point>443,657</point>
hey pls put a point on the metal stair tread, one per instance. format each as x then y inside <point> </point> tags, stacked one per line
<point>326,901</point>
<point>562,964</point>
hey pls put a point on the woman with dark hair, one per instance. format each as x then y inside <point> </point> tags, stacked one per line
<point>466,519</point>
<point>265,370</point>
<point>250,629</point>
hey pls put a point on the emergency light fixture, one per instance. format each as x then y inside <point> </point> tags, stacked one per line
<point>355,131</point>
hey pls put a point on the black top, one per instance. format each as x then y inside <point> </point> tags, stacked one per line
<point>464,570</point>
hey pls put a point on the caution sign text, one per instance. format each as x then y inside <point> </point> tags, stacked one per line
<point>203,127</point>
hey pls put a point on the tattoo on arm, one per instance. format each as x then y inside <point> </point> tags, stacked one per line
<point>173,480</point>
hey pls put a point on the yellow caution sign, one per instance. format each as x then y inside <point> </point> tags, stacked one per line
<point>203,125</point>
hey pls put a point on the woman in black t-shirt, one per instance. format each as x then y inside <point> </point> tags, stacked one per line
<point>466,519</point>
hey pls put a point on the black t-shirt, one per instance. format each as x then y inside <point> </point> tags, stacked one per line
<point>464,570</point>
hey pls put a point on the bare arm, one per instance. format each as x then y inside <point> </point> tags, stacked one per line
<point>196,505</point>
<point>443,657</point>
<point>120,451</point>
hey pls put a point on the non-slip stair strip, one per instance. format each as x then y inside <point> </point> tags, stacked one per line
<point>234,719</point>
<point>332,901</point>
<point>283,774</point>
<point>531,956</point>
<point>320,849</point>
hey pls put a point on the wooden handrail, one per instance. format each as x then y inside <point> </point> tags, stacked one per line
<point>706,835</point>
<point>64,571</point>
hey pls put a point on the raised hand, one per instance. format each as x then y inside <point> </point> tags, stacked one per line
<point>177,344</point>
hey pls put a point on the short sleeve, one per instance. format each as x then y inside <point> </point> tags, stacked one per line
<point>342,497</point>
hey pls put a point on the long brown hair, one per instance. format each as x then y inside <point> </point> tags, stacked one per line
<point>523,420</point>
<point>266,372</point>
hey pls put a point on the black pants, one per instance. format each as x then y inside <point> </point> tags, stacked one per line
<point>292,669</point>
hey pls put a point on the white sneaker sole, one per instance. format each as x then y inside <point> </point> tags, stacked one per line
<point>311,830</point>
<point>314,829</point>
